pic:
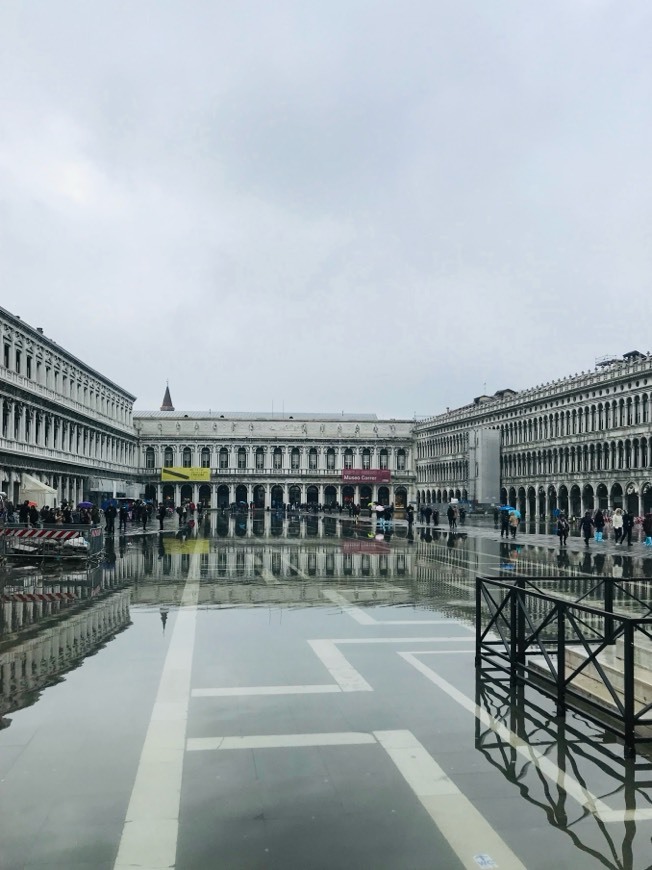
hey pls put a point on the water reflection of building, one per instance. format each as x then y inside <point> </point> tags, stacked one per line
<point>44,636</point>
<point>268,570</point>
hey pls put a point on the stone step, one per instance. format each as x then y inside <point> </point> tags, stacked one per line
<point>589,680</point>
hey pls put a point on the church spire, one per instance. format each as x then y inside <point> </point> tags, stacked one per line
<point>167,401</point>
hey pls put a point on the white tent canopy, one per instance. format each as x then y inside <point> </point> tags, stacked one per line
<point>35,490</point>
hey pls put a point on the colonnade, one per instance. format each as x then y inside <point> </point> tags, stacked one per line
<point>274,494</point>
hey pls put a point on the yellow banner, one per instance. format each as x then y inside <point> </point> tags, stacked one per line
<point>190,546</point>
<point>186,475</point>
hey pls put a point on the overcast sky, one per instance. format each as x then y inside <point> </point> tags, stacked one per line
<point>353,205</point>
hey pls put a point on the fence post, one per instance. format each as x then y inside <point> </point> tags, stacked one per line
<point>478,621</point>
<point>513,634</point>
<point>520,623</point>
<point>628,662</point>
<point>561,659</point>
<point>608,609</point>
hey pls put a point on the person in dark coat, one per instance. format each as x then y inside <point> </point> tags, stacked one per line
<point>123,517</point>
<point>586,527</point>
<point>34,516</point>
<point>23,513</point>
<point>161,516</point>
<point>598,522</point>
<point>110,514</point>
<point>647,528</point>
<point>628,527</point>
<point>504,524</point>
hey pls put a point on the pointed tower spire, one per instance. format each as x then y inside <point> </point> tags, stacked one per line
<point>167,401</point>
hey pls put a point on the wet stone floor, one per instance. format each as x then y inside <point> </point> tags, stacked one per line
<point>297,693</point>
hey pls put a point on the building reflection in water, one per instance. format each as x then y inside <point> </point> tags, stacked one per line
<point>48,624</point>
<point>577,749</point>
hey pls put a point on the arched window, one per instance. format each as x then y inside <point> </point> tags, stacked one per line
<point>348,458</point>
<point>330,459</point>
<point>168,459</point>
<point>205,457</point>
<point>278,458</point>
<point>149,458</point>
<point>400,460</point>
<point>224,458</point>
<point>312,459</point>
<point>295,459</point>
<point>260,458</point>
<point>187,457</point>
<point>366,458</point>
<point>242,458</point>
<point>384,459</point>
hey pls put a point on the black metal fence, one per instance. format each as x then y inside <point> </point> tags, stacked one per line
<point>594,658</point>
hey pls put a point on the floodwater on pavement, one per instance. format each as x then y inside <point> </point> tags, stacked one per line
<point>298,692</point>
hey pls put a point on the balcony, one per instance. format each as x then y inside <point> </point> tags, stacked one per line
<point>332,475</point>
<point>34,451</point>
<point>30,386</point>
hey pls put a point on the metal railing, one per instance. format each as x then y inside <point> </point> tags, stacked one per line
<point>590,658</point>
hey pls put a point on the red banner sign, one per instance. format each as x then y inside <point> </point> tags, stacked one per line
<point>366,475</point>
<point>362,545</point>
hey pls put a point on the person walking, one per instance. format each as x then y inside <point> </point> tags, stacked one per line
<point>504,524</point>
<point>123,516</point>
<point>161,516</point>
<point>563,529</point>
<point>109,515</point>
<point>617,523</point>
<point>599,523</point>
<point>452,520</point>
<point>427,514</point>
<point>628,527</point>
<point>647,528</point>
<point>513,523</point>
<point>586,527</point>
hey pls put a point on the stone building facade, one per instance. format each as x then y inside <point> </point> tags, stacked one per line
<point>61,423</point>
<point>271,460</point>
<point>574,444</point>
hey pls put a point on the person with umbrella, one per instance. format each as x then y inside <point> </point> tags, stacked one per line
<point>514,520</point>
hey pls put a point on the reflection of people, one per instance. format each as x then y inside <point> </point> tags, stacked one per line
<point>164,616</point>
<point>161,516</point>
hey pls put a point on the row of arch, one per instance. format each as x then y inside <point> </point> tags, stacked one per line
<point>241,458</point>
<point>573,500</point>
<point>440,472</point>
<point>576,499</point>
<point>224,495</point>
<point>591,418</point>
<point>443,445</point>
<point>628,453</point>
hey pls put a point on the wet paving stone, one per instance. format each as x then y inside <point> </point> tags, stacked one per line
<point>274,692</point>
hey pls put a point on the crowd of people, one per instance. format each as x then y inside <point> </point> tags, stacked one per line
<point>28,514</point>
<point>593,524</point>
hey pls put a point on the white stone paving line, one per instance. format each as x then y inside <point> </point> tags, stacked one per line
<point>362,617</point>
<point>467,831</point>
<point>569,784</point>
<point>149,836</point>
<point>243,691</point>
